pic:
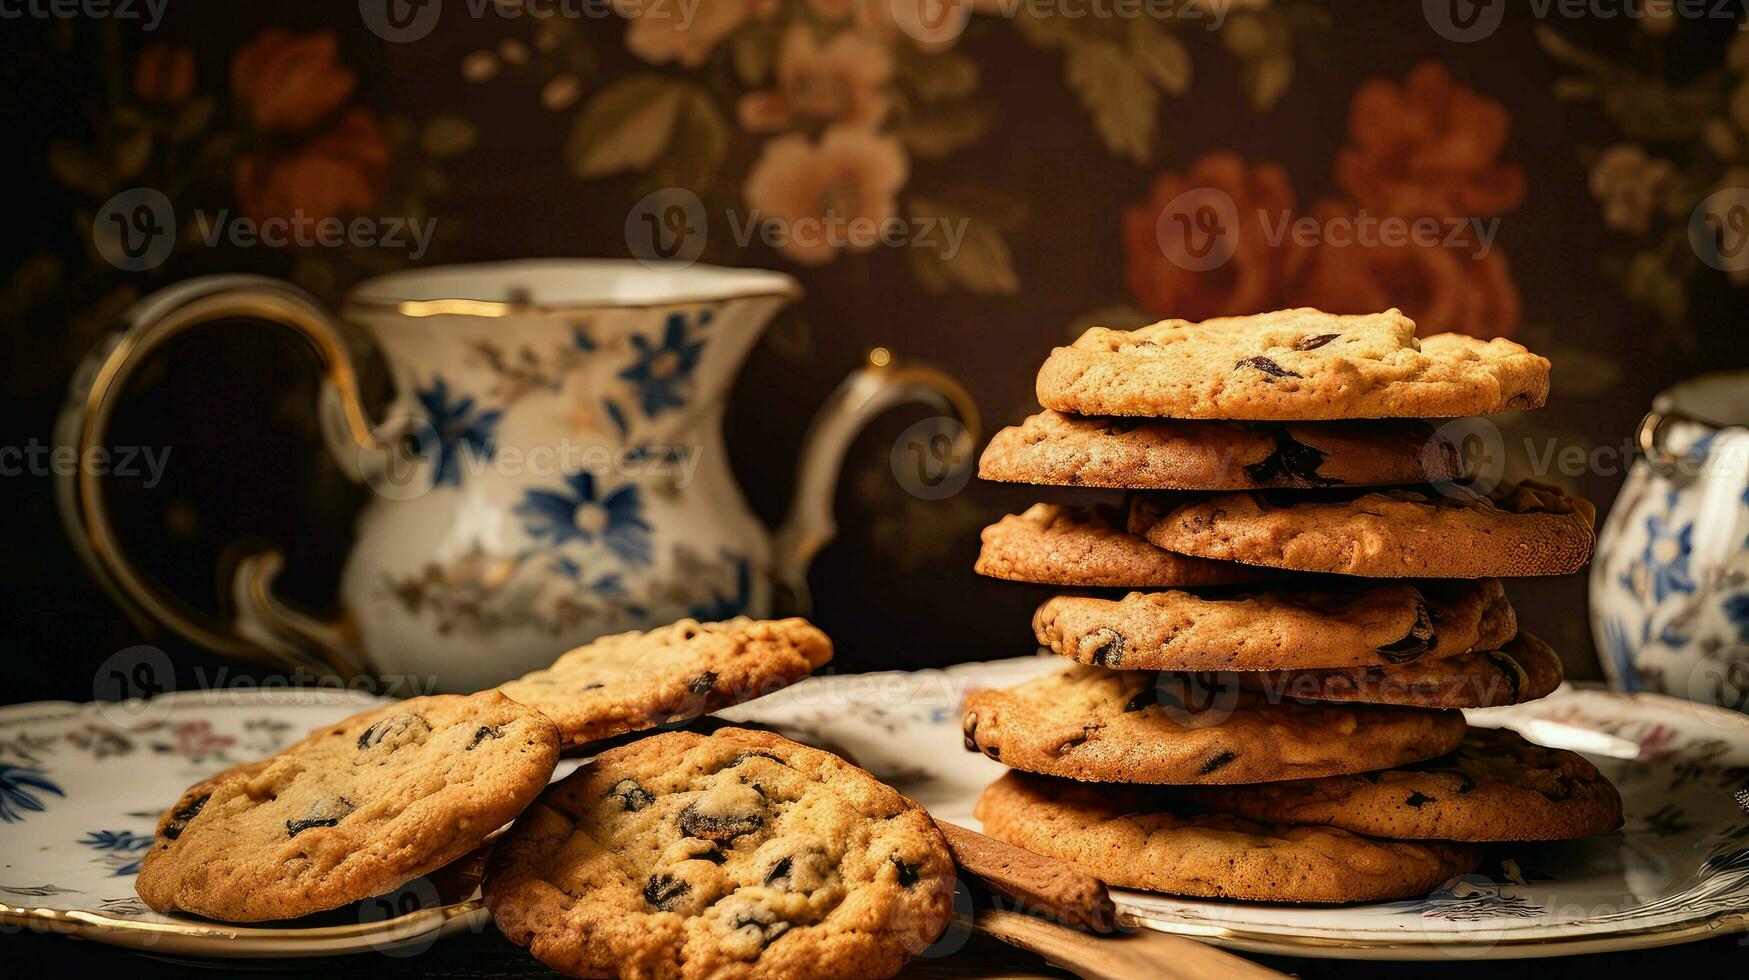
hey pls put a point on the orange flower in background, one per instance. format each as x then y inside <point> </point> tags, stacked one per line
<point>1251,279</point>
<point>338,172</point>
<point>1428,147</point>
<point>841,81</point>
<point>290,82</point>
<point>164,74</point>
<point>818,198</point>
<point>661,31</point>
<point>1463,288</point>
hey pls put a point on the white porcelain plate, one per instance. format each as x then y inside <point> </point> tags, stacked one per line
<point>81,787</point>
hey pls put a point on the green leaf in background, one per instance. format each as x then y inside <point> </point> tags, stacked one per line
<point>1163,58</point>
<point>699,145</point>
<point>625,126</point>
<point>1265,80</point>
<point>937,132</point>
<point>982,264</point>
<point>1116,93</point>
<point>753,49</point>
<point>1651,284</point>
<point>192,119</point>
<point>77,169</point>
<point>942,77</point>
<point>447,136</point>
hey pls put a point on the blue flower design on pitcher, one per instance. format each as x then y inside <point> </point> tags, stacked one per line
<point>1737,611</point>
<point>662,371</point>
<point>583,514</point>
<point>454,428</point>
<point>1665,559</point>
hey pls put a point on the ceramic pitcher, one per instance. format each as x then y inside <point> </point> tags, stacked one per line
<point>1670,585</point>
<point>551,467</point>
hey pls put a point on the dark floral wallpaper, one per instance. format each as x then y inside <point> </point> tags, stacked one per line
<point>1556,163</point>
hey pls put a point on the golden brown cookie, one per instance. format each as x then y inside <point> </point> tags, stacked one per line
<point>629,682</point>
<point>1141,837</point>
<point>1290,365</point>
<point>1137,726</point>
<point>1520,529</point>
<point>738,854</point>
<point>1057,545</point>
<point>1382,624</point>
<point>1146,454</point>
<point>1495,787</point>
<point>356,809</point>
<point>1523,669</point>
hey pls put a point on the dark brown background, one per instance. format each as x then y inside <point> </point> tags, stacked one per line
<point>1622,312</point>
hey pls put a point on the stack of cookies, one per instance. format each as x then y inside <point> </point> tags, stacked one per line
<point>1268,641</point>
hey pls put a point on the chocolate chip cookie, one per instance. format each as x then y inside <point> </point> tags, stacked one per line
<point>1146,454</point>
<point>1100,725</point>
<point>1520,529</point>
<point>738,854</point>
<point>1142,837</point>
<point>632,681</point>
<point>1524,669</point>
<point>1495,787</point>
<point>1383,624</point>
<point>1057,545</point>
<point>356,809</point>
<point>1290,365</point>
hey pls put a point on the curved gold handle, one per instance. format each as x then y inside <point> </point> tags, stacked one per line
<point>878,386</point>
<point>265,631</point>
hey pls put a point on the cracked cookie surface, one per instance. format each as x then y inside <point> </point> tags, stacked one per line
<point>629,682</point>
<point>1522,669</point>
<point>1148,454</point>
<point>355,810</point>
<point>1099,725</point>
<point>1052,544</point>
<point>1139,837</point>
<point>1519,529</point>
<point>1290,365</point>
<point>1496,787</point>
<point>738,854</point>
<point>1361,626</point>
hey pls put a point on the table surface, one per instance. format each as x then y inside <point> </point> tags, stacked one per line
<point>487,954</point>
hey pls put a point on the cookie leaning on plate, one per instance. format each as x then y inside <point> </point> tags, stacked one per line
<point>1380,624</point>
<point>1290,365</point>
<point>1055,545</point>
<point>735,854</point>
<point>1523,669</point>
<point>1495,787</point>
<point>629,682</point>
<point>356,809</point>
<point>1100,725</point>
<point>1136,837</point>
<point>1519,529</point>
<point>1165,454</point>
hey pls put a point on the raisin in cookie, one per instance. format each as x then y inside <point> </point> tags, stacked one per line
<point>1145,454</point>
<point>1345,626</point>
<point>356,809</point>
<point>632,681</point>
<point>1142,837</point>
<point>1524,669</point>
<point>1056,545</point>
<point>737,854</point>
<point>1495,787</point>
<point>1519,529</point>
<point>1139,726</point>
<point>1290,365</point>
